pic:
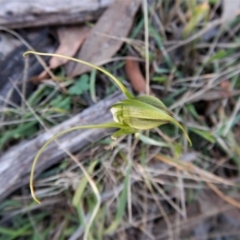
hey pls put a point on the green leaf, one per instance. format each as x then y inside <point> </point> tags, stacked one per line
<point>31,131</point>
<point>121,205</point>
<point>199,12</point>
<point>20,131</point>
<point>151,141</point>
<point>193,111</point>
<point>80,86</point>
<point>218,55</point>
<point>36,97</point>
<point>160,79</point>
<point>61,102</point>
<point>206,135</point>
<point>82,185</point>
<point>213,1</point>
<point>64,104</point>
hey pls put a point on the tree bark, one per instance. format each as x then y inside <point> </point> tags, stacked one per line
<point>20,14</point>
<point>13,68</point>
<point>15,164</point>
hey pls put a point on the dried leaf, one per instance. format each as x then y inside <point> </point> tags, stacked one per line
<point>230,10</point>
<point>135,76</point>
<point>71,38</point>
<point>226,85</point>
<point>115,21</point>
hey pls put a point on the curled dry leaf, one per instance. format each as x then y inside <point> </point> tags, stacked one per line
<point>70,38</point>
<point>226,85</point>
<point>116,21</point>
<point>135,75</point>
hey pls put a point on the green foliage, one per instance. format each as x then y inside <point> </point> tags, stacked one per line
<point>80,86</point>
<point>21,131</point>
<point>61,102</point>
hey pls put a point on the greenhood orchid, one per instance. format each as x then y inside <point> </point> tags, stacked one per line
<point>130,115</point>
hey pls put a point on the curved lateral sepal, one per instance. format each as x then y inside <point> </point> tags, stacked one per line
<point>106,125</point>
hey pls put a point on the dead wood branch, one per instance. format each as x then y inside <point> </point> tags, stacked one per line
<point>20,14</point>
<point>16,162</point>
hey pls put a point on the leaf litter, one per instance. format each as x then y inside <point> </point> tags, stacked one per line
<point>116,21</point>
<point>70,39</point>
<point>135,76</point>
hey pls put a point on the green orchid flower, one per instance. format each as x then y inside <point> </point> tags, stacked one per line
<point>130,115</point>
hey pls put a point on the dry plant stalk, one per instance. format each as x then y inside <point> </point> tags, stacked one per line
<point>208,177</point>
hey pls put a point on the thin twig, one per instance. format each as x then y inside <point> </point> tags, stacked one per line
<point>146,36</point>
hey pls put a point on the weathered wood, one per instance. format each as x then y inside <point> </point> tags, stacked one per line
<point>15,164</point>
<point>12,67</point>
<point>28,13</point>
